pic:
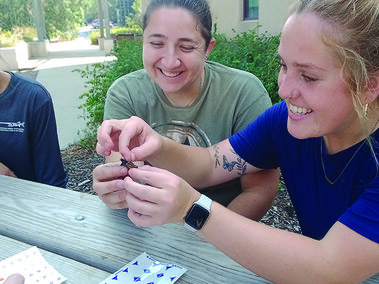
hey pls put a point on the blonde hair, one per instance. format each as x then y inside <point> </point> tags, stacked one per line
<point>355,39</point>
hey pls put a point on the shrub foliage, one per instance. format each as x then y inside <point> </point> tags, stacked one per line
<point>252,52</point>
<point>99,77</point>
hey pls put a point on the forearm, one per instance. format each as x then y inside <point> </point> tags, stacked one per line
<point>250,205</point>
<point>343,256</point>
<point>255,246</point>
<point>193,164</point>
<point>201,167</point>
<point>258,194</point>
<point>285,257</point>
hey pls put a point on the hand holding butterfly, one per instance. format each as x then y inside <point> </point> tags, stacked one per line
<point>132,137</point>
<point>162,198</point>
<point>109,185</point>
<point>201,167</point>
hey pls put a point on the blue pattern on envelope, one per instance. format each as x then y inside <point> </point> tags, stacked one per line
<point>146,270</point>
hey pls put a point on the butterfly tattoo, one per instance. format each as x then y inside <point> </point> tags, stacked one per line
<point>228,165</point>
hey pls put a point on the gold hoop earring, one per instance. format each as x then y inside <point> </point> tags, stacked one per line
<point>365,110</point>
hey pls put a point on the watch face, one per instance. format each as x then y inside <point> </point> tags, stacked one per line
<point>197,216</point>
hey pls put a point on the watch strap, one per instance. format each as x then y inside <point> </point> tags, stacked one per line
<point>204,202</point>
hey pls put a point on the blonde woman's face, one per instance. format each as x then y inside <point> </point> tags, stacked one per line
<point>173,50</point>
<point>318,101</point>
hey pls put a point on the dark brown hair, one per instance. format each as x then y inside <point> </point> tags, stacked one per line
<point>199,8</point>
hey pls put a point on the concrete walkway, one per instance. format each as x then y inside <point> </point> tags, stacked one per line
<point>55,72</point>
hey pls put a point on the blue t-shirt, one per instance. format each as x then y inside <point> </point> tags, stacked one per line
<point>28,133</point>
<point>353,199</point>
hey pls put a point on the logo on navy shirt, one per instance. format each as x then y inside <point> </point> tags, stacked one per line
<point>12,126</point>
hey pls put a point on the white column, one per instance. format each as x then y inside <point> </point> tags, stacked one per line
<point>39,19</point>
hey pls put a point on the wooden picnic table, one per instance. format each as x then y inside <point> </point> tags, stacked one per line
<point>83,239</point>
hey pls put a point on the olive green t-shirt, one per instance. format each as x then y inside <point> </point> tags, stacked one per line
<point>229,100</point>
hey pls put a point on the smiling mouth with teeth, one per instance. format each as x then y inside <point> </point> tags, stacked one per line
<point>298,110</point>
<point>170,74</point>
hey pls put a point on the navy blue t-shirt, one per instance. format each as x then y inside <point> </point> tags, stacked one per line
<point>353,199</point>
<point>28,133</point>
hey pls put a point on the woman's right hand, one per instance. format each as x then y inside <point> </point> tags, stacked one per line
<point>132,137</point>
<point>5,171</point>
<point>15,279</point>
<point>157,196</point>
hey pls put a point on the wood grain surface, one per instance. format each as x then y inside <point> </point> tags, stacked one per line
<point>75,272</point>
<point>78,226</point>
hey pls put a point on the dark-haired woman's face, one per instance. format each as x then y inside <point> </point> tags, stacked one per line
<point>174,50</point>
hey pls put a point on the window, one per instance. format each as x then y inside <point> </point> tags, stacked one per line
<point>250,9</point>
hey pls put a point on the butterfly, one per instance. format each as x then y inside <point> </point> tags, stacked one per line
<point>228,166</point>
<point>127,164</point>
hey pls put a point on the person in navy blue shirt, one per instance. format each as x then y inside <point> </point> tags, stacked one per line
<point>28,132</point>
<point>324,136</point>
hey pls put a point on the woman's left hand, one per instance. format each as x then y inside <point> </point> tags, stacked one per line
<point>163,198</point>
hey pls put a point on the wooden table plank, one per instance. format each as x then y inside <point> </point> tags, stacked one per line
<point>79,226</point>
<point>74,271</point>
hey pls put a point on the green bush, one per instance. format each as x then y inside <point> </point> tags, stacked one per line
<point>99,77</point>
<point>16,36</point>
<point>251,52</point>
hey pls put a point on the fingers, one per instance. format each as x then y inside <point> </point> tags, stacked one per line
<point>132,137</point>
<point>104,143</point>
<point>165,198</point>
<point>144,213</point>
<point>109,185</point>
<point>15,279</point>
<point>140,220</point>
<point>108,135</point>
<point>116,135</point>
<point>155,177</point>
<point>129,131</point>
<point>4,170</point>
<point>11,174</point>
<point>109,171</point>
<point>116,199</point>
<point>138,140</point>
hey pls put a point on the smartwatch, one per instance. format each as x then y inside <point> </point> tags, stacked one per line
<point>198,214</point>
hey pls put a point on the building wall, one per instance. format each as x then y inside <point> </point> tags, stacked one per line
<point>273,14</point>
<point>228,16</point>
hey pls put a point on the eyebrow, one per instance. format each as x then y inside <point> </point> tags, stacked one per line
<point>304,65</point>
<point>309,66</point>
<point>185,39</point>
